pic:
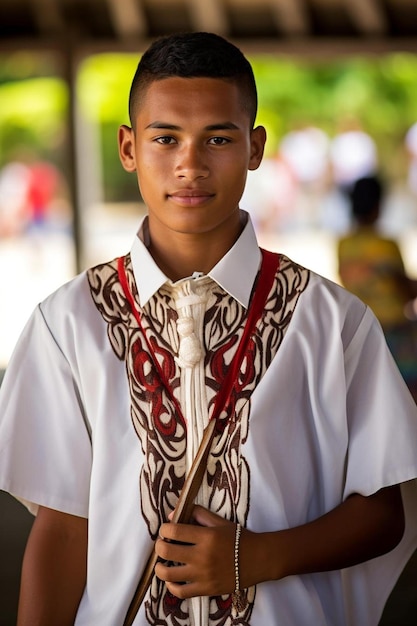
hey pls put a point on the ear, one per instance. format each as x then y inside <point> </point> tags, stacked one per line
<point>126,141</point>
<point>257,146</point>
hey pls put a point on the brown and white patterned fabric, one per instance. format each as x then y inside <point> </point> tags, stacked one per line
<point>169,440</point>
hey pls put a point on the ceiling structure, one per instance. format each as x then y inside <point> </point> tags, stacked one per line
<point>304,26</point>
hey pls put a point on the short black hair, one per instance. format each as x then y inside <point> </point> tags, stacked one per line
<point>366,197</point>
<point>194,55</point>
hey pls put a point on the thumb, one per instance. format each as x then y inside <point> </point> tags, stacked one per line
<point>204,517</point>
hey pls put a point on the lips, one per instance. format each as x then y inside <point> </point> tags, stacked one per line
<point>190,197</point>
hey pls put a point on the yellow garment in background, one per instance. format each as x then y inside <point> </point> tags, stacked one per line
<point>371,267</point>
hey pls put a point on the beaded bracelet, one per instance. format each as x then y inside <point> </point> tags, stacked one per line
<point>239,599</point>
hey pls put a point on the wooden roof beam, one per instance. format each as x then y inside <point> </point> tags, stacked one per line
<point>291,17</point>
<point>48,17</point>
<point>368,17</point>
<point>209,16</point>
<point>128,18</point>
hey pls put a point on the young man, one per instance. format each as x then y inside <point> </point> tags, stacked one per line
<point>117,374</point>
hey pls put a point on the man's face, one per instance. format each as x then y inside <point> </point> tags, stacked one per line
<point>191,148</point>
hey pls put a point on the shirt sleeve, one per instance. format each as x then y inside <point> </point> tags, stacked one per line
<point>382,422</point>
<point>45,447</point>
<point>381,415</point>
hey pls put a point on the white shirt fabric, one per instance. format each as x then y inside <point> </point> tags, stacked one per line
<point>330,417</point>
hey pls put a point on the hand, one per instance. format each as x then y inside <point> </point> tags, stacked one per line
<point>203,553</point>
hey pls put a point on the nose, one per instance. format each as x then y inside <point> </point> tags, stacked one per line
<point>191,162</point>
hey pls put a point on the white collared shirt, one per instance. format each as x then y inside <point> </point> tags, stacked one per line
<point>235,272</point>
<point>329,418</point>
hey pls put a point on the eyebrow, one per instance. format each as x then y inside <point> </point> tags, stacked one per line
<point>219,126</point>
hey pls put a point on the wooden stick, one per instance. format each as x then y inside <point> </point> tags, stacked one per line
<point>182,515</point>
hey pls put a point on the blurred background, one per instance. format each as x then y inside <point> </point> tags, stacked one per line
<point>337,86</point>
<point>337,83</point>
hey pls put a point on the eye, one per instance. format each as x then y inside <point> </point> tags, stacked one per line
<point>219,141</point>
<point>165,140</point>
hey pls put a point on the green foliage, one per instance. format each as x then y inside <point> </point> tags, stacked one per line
<point>32,114</point>
<point>119,185</point>
<point>103,87</point>
<point>377,94</point>
<point>26,64</point>
<point>380,93</point>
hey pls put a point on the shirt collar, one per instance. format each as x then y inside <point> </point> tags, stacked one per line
<point>235,272</point>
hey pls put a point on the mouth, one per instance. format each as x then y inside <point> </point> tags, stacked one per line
<point>190,197</point>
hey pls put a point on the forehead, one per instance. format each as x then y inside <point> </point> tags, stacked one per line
<point>192,98</point>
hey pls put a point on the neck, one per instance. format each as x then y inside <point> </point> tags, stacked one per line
<point>181,256</point>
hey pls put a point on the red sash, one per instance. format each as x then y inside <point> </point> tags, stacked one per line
<point>263,285</point>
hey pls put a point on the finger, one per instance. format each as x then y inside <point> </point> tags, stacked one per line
<point>181,533</point>
<point>173,573</point>
<point>175,552</point>
<point>174,532</point>
<point>183,591</point>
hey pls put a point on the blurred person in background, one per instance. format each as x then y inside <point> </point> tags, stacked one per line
<point>353,155</point>
<point>305,151</point>
<point>411,147</point>
<point>33,197</point>
<point>14,187</point>
<point>371,266</point>
<point>43,188</point>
